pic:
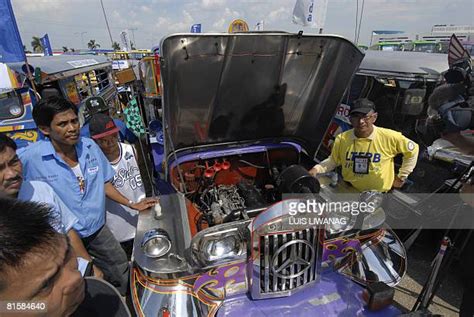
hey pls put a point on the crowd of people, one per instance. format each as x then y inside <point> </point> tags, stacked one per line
<point>77,194</point>
<point>67,197</point>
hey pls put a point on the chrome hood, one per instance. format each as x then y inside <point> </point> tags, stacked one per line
<point>251,86</point>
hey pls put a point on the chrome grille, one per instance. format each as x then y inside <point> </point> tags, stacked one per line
<point>288,261</point>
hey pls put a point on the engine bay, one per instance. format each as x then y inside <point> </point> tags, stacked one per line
<point>221,189</point>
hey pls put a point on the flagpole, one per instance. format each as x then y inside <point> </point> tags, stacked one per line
<point>32,81</point>
<point>107,23</point>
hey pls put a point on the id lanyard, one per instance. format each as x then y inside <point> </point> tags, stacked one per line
<point>361,162</point>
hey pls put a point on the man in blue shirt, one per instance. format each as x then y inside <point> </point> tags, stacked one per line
<point>12,184</point>
<point>81,176</point>
<point>96,105</point>
<point>37,264</point>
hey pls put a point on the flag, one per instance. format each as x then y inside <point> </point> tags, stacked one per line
<point>310,13</point>
<point>46,45</point>
<point>133,118</point>
<point>124,40</point>
<point>259,26</point>
<point>196,28</point>
<point>456,51</point>
<point>11,47</point>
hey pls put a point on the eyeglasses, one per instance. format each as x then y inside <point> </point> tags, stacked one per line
<point>358,117</point>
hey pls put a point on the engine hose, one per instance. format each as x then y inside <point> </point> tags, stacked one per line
<point>251,164</point>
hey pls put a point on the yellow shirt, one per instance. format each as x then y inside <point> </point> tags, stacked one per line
<point>380,147</point>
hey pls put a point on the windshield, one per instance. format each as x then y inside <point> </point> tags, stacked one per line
<point>469,48</point>
<point>426,47</point>
<point>394,47</point>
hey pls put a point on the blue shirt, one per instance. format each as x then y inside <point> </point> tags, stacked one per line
<point>40,192</point>
<point>125,134</point>
<point>41,162</point>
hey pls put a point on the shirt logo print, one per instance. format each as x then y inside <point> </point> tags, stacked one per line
<point>82,184</point>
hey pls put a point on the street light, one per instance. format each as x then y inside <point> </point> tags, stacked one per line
<point>133,35</point>
<point>82,37</point>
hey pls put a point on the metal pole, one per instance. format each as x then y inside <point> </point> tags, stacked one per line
<point>107,23</point>
<point>82,39</point>
<point>133,35</point>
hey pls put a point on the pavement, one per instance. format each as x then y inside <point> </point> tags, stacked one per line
<point>448,298</point>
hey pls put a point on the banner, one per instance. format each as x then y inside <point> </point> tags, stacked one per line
<point>8,79</point>
<point>238,26</point>
<point>196,28</point>
<point>259,26</point>
<point>46,45</point>
<point>11,47</point>
<point>310,13</point>
<point>125,41</point>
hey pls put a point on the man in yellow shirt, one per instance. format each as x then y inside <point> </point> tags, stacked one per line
<point>366,152</point>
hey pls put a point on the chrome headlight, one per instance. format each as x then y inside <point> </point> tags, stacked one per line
<point>220,244</point>
<point>372,197</point>
<point>376,218</point>
<point>156,243</point>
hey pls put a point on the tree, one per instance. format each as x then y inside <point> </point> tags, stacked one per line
<point>92,45</point>
<point>116,46</point>
<point>132,46</point>
<point>65,49</point>
<point>36,44</point>
<point>73,50</point>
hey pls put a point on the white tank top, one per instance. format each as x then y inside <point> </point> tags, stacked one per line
<point>121,220</point>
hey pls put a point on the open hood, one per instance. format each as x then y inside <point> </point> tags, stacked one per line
<point>250,86</point>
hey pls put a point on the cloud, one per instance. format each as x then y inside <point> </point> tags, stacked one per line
<point>62,19</point>
<point>22,7</point>
<point>212,3</point>
<point>278,15</point>
<point>145,8</point>
<point>187,17</point>
<point>219,24</point>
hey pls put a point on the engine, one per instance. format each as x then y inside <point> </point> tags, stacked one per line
<point>225,189</point>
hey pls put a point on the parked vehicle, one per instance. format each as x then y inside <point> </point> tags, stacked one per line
<point>429,46</point>
<point>74,77</point>
<point>243,115</point>
<point>16,105</point>
<point>399,83</point>
<point>389,46</point>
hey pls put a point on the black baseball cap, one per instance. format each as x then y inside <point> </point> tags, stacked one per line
<point>101,125</point>
<point>95,105</point>
<point>363,106</point>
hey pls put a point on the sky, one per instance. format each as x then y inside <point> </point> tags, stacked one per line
<point>72,23</point>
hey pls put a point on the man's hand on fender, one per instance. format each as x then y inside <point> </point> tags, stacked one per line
<point>144,204</point>
<point>398,182</point>
<point>97,272</point>
<point>313,172</point>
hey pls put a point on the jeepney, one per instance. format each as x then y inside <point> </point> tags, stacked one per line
<point>399,83</point>
<point>389,46</point>
<point>243,115</point>
<point>74,77</point>
<point>16,106</point>
<point>429,46</point>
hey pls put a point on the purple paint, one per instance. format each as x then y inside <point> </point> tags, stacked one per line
<point>334,295</point>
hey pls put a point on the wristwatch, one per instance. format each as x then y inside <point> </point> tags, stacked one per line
<point>130,203</point>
